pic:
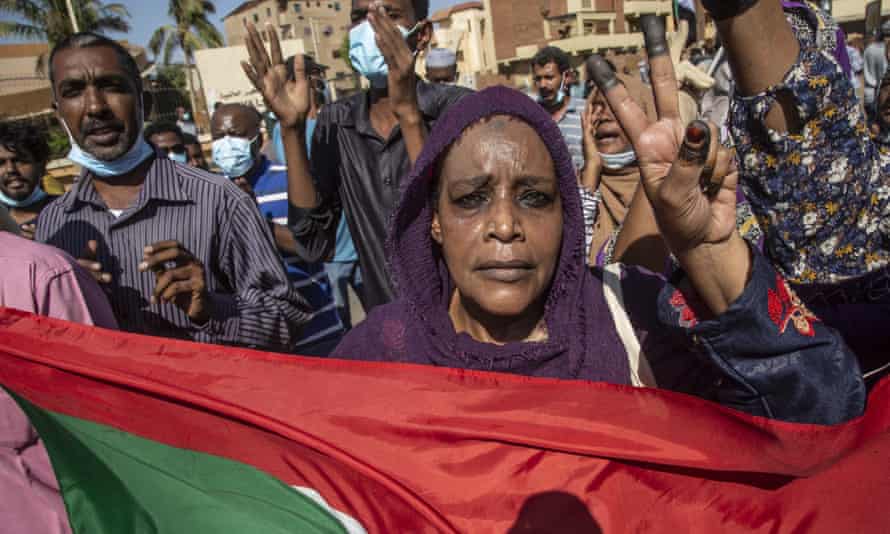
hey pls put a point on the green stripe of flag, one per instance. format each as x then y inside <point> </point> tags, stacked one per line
<point>114,482</point>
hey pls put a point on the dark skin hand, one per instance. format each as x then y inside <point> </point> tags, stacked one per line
<point>180,279</point>
<point>689,180</point>
<point>89,262</point>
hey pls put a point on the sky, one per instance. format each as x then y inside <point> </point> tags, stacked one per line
<point>148,15</point>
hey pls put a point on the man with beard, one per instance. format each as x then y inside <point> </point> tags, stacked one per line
<point>184,253</point>
<point>24,154</point>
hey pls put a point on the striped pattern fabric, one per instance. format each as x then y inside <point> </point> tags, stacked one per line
<point>570,126</point>
<point>254,303</point>
<point>270,188</point>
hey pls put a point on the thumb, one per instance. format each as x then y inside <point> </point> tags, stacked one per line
<point>91,250</point>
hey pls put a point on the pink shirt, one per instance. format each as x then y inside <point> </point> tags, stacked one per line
<point>44,280</point>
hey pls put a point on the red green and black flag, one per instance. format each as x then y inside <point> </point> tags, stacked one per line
<point>161,436</point>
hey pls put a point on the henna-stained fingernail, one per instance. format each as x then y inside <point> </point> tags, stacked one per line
<point>601,72</point>
<point>696,142</point>
<point>654,35</point>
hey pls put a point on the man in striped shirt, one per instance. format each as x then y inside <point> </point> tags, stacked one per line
<point>552,72</point>
<point>267,183</point>
<point>183,253</point>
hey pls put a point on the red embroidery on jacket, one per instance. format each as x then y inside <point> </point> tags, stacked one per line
<point>786,307</point>
<point>687,316</point>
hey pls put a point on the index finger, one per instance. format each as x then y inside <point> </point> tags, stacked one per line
<point>629,114</point>
<point>256,50</point>
<point>154,248</point>
<point>274,45</point>
<point>661,68</point>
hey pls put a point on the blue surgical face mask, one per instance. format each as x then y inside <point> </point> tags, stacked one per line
<point>616,162</point>
<point>181,157</point>
<point>366,56</point>
<point>233,155</point>
<point>36,196</point>
<point>139,152</point>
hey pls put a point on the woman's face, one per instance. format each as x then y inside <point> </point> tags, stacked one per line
<point>610,138</point>
<point>498,217</point>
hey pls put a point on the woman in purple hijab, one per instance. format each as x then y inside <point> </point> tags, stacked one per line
<point>487,255</point>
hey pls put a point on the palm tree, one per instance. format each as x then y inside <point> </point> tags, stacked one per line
<point>47,20</point>
<point>191,30</point>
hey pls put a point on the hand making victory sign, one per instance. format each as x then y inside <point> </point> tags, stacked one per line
<point>687,176</point>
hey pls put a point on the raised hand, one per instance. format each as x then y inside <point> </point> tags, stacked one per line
<point>689,180</point>
<point>658,144</point>
<point>289,99</point>
<point>400,61</point>
<point>593,162</point>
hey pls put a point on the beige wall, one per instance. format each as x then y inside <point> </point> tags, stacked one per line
<point>225,81</point>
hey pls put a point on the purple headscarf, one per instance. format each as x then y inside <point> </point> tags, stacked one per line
<point>416,328</point>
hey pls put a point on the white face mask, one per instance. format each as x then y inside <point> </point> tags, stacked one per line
<point>616,162</point>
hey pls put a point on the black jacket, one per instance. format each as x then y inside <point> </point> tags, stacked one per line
<point>359,173</point>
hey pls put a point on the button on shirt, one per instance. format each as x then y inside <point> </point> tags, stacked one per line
<point>359,173</point>
<point>253,302</point>
<point>270,187</point>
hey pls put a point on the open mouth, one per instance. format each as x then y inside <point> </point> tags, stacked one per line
<point>104,135</point>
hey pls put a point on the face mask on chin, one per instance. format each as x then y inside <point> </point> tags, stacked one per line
<point>135,155</point>
<point>616,162</point>
<point>560,94</point>
<point>366,56</point>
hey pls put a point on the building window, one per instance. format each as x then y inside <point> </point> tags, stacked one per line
<point>307,31</point>
<point>268,12</point>
<point>328,31</point>
<point>256,18</point>
<point>297,7</point>
<point>585,4</point>
<point>330,6</point>
<point>336,6</point>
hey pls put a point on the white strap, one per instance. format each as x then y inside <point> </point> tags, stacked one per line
<point>640,372</point>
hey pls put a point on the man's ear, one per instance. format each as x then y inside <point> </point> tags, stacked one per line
<point>436,228</point>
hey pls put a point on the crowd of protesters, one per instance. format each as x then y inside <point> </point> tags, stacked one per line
<point>712,220</point>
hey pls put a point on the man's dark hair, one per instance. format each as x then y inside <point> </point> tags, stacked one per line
<point>189,139</point>
<point>25,140</point>
<point>92,40</point>
<point>421,9</point>
<point>552,54</point>
<point>160,127</point>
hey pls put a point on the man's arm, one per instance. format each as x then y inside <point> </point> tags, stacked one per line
<point>264,311</point>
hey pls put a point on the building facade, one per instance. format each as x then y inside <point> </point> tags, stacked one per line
<point>464,29</point>
<point>323,26</point>
<point>580,27</point>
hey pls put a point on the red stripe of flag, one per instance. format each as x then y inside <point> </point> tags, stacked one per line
<point>407,448</point>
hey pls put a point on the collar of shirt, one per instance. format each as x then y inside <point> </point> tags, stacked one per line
<point>360,118</point>
<point>162,182</point>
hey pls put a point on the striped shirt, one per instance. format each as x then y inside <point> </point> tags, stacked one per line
<point>254,304</point>
<point>270,188</point>
<point>570,126</point>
